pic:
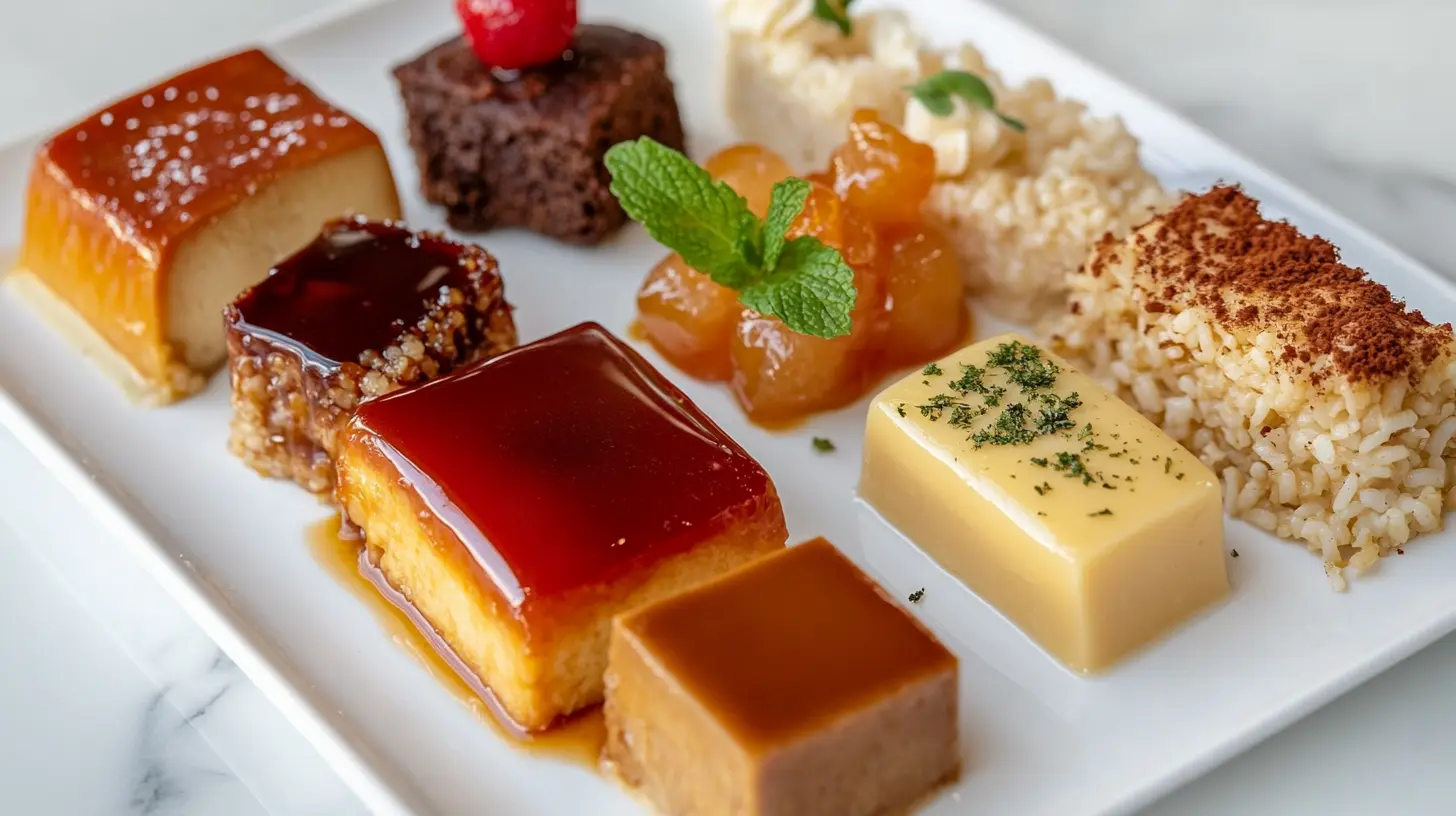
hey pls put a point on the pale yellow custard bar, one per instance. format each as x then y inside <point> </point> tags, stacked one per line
<point>1050,498</point>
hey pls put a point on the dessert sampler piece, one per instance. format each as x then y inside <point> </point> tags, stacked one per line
<point>1023,199</point>
<point>909,303</point>
<point>1050,498</point>
<point>520,503</point>
<point>513,137</point>
<point>791,686</point>
<point>365,309</point>
<point>145,219</point>
<point>1325,405</point>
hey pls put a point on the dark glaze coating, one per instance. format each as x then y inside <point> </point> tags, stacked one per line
<point>175,155</point>
<point>784,647</point>
<point>358,287</point>
<point>565,463</point>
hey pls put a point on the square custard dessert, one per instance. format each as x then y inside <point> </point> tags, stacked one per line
<point>365,309</point>
<point>1050,498</point>
<point>791,686</point>
<point>144,220</point>
<point>524,148</point>
<point>520,503</point>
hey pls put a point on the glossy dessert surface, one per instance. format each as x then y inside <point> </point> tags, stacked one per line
<point>1056,502</point>
<point>784,647</point>
<point>147,218</point>
<point>792,685</point>
<point>163,161</point>
<point>565,463</point>
<point>359,286</point>
<point>909,289</point>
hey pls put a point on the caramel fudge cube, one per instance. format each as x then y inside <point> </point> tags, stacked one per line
<point>366,309</point>
<point>143,221</point>
<point>520,503</point>
<point>793,686</point>
<point>525,149</point>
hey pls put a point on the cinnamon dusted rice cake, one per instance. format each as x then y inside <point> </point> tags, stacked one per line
<point>366,309</point>
<point>1323,403</point>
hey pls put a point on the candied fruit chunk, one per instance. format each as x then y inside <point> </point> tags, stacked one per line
<point>925,310</point>
<point>880,172</point>
<point>822,217</point>
<point>750,170</point>
<point>780,375</point>
<point>688,318</point>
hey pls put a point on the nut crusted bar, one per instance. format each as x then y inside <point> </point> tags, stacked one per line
<point>366,309</point>
<point>146,218</point>
<point>525,149</point>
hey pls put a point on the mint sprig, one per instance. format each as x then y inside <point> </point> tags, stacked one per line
<point>801,281</point>
<point>836,12</point>
<point>784,205</point>
<point>937,92</point>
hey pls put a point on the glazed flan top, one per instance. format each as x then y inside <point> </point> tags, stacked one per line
<point>358,287</point>
<point>158,163</point>
<point>786,646</point>
<point>565,463</point>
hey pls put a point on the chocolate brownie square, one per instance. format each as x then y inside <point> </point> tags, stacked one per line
<point>524,148</point>
<point>366,309</point>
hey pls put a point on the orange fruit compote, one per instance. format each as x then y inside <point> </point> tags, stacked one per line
<point>910,305</point>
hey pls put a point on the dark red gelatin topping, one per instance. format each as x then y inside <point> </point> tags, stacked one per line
<point>565,463</point>
<point>357,287</point>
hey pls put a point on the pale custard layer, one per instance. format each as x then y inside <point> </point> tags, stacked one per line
<point>1094,538</point>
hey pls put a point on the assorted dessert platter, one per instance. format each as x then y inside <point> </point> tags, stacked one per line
<point>1067,379</point>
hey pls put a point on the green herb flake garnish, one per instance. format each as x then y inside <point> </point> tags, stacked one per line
<point>937,93</point>
<point>801,281</point>
<point>836,12</point>
<point>917,595</point>
<point>1167,464</point>
<point>1009,428</point>
<point>932,370</point>
<point>823,445</point>
<point>1043,489</point>
<point>1106,511</point>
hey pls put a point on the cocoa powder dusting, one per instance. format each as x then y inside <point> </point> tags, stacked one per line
<point>1216,251</point>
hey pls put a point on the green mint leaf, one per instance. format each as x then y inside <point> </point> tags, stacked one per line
<point>812,290</point>
<point>823,445</point>
<point>836,12</point>
<point>937,92</point>
<point>686,210</point>
<point>784,206</point>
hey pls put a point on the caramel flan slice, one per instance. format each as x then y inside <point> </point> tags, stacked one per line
<point>791,686</point>
<point>519,504</point>
<point>144,220</point>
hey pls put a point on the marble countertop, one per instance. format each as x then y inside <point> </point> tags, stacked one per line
<point>112,701</point>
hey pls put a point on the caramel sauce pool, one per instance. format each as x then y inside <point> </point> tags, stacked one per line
<point>578,740</point>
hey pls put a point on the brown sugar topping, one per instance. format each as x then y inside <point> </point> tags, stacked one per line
<point>1216,251</point>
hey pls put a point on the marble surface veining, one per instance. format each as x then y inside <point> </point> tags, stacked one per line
<point>113,702</point>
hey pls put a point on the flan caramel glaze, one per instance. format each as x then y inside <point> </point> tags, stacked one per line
<point>150,215</point>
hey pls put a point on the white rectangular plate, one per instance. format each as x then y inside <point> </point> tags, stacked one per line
<point>231,546</point>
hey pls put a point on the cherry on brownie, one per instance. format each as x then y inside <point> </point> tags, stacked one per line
<point>523,147</point>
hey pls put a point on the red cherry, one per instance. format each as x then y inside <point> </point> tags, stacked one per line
<point>517,33</point>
